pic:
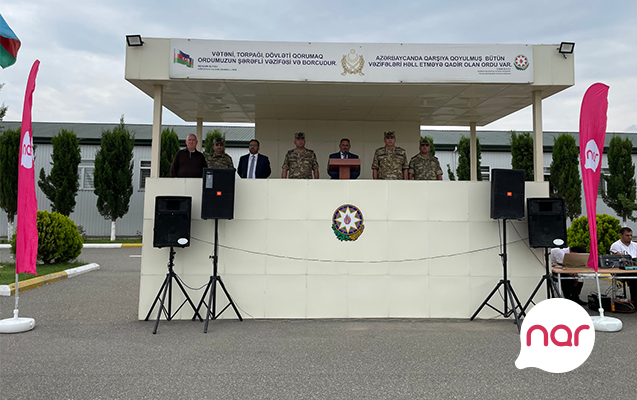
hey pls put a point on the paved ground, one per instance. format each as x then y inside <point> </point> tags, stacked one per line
<point>88,344</point>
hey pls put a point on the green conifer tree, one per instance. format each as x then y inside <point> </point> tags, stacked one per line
<point>9,156</point>
<point>522,153</point>
<point>620,191</point>
<point>169,147</point>
<point>61,186</point>
<point>463,171</point>
<point>113,177</point>
<point>565,178</point>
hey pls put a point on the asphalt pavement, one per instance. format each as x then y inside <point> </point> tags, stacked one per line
<point>88,344</point>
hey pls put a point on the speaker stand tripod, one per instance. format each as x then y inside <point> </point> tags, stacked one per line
<point>167,288</point>
<point>509,293</point>
<point>211,288</point>
<point>551,289</point>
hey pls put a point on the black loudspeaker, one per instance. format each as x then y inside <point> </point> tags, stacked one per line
<point>172,221</point>
<point>217,194</point>
<point>507,194</point>
<point>547,221</point>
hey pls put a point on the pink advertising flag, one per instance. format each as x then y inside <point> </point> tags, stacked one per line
<point>592,132</point>
<point>27,232</point>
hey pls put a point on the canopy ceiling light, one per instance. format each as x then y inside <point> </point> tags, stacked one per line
<point>566,48</point>
<point>134,40</point>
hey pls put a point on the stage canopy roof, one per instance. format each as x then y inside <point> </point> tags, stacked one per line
<point>453,85</point>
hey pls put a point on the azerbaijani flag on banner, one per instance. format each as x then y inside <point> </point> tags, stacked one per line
<point>183,58</point>
<point>27,233</point>
<point>9,45</point>
<point>592,132</point>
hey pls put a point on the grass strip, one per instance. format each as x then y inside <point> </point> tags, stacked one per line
<point>7,271</point>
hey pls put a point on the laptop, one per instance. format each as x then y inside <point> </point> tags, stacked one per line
<point>575,259</point>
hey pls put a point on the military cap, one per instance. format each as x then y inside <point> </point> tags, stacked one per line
<point>219,140</point>
<point>424,141</point>
<point>390,134</point>
<point>299,135</point>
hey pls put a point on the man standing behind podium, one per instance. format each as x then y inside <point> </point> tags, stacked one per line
<point>343,154</point>
<point>423,166</point>
<point>390,161</point>
<point>188,163</point>
<point>219,159</point>
<point>300,163</point>
<point>254,165</point>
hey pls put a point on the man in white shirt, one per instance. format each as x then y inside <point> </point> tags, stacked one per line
<point>626,246</point>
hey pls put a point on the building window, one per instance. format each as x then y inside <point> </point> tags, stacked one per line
<point>547,174</point>
<point>485,171</point>
<point>86,170</point>
<point>602,182</point>
<point>144,172</point>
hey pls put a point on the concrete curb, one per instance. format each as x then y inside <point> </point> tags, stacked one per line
<point>94,245</point>
<point>9,290</point>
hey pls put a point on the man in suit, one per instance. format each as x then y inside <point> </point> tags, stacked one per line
<point>344,154</point>
<point>254,165</point>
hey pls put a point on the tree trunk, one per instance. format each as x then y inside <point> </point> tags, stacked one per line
<point>112,230</point>
<point>10,230</point>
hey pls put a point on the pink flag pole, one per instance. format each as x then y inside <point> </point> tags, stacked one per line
<point>592,133</point>
<point>27,232</point>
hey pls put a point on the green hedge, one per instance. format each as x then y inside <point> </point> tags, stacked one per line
<point>58,238</point>
<point>607,233</point>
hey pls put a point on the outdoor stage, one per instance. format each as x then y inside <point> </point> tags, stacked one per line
<point>428,250</point>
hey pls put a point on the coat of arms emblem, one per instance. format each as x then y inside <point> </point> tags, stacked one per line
<point>352,63</point>
<point>347,222</point>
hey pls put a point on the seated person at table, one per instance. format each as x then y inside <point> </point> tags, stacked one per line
<point>626,246</point>
<point>570,287</point>
<point>344,154</point>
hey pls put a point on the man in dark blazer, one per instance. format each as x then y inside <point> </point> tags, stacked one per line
<point>247,168</point>
<point>344,154</point>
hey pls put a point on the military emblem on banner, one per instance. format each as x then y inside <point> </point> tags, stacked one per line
<point>521,62</point>
<point>352,63</point>
<point>347,222</point>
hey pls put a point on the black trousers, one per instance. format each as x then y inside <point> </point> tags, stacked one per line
<point>572,288</point>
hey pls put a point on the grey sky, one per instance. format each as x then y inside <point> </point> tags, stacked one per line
<point>81,46</point>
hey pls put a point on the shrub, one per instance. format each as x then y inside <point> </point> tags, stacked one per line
<point>58,238</point>
<point>607,233</point>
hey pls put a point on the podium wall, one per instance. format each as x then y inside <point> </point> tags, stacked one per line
<point>297,267</point>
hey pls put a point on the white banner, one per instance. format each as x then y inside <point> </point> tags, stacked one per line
<point>351,62</point>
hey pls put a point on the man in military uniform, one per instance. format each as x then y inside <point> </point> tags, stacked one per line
<point>219,159</point>
<point>423,166</point>
<point>300,163</point>
<point>390,162</point>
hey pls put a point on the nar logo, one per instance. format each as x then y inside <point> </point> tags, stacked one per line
<point>592,156</point>
<point>557,336</point>
<point>26,156</point>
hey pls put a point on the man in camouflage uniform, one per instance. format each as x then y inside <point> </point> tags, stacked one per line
<point>219,159</point>
<point>300,163</point>
<point>390,162</point>
<point>424,167</point>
